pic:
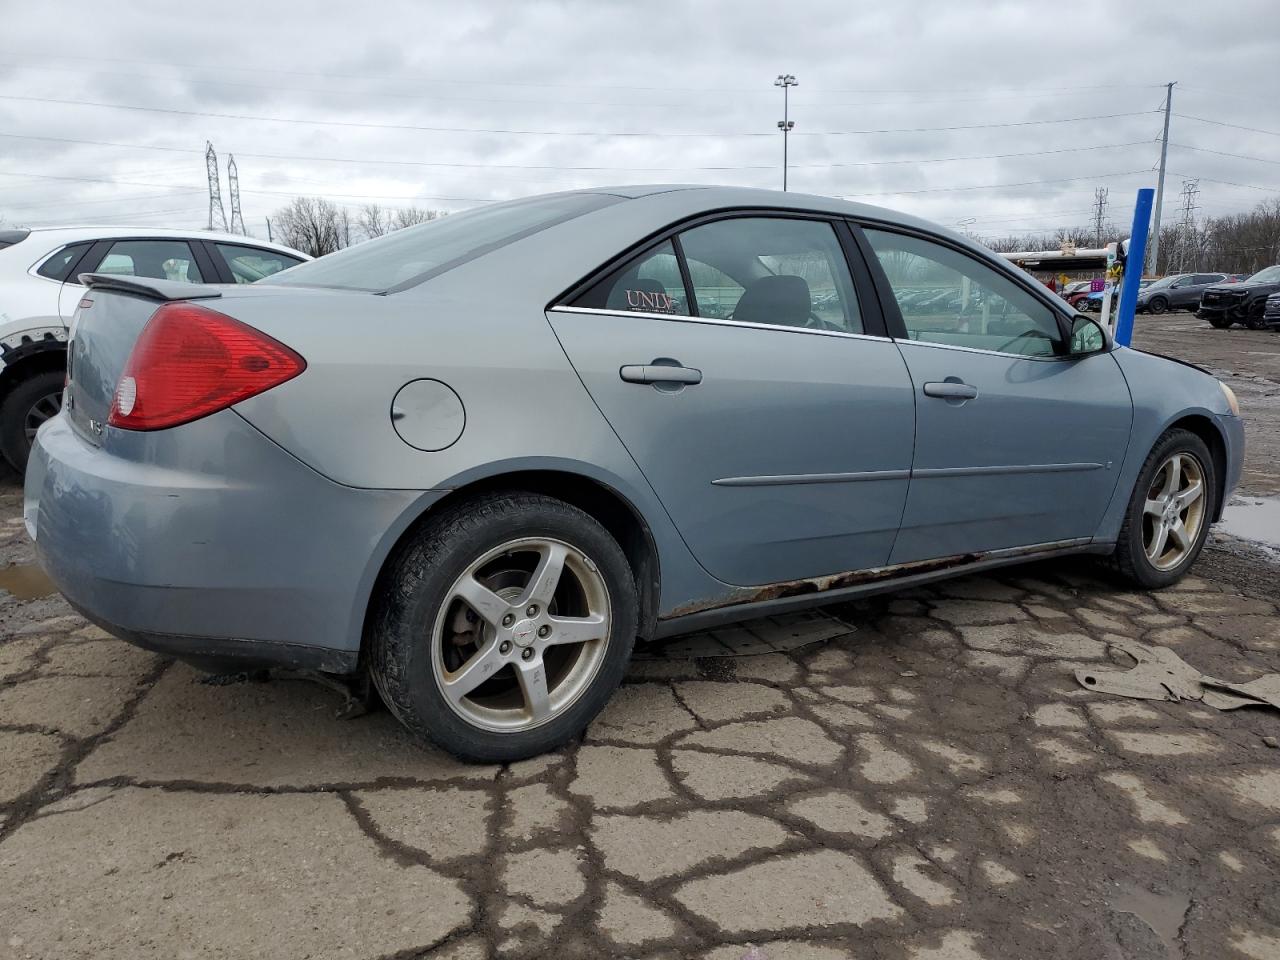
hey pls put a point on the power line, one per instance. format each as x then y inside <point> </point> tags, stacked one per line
<point>1222,153</point>
<point>454,80</point>
<point>995,186</point>
<point>551,133</point>
<point>574,168</point>
<point>1051,94</point>
<point>268,193</point>
<point>1221,123</point>
<point>1229,183</point>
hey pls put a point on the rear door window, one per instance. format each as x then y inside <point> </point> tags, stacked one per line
<point>649,283</point>
<point>251,264</point>
<point>58,266</point>
<point>772,270</point>
<point>157,259</point>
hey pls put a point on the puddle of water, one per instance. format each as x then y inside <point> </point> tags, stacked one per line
<point>1256,519</point>
<point>1162,913</point>
<point>26,581</point>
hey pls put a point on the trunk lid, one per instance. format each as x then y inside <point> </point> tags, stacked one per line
<point>111,315</point>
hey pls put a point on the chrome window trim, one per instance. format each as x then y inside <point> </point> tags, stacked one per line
<point>1056,358</point>
<point>718,322</point>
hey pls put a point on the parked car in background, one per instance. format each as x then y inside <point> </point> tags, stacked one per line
<point>1236,278</point>
<point>1092,302</point>
<point>39,290</point>
<point>1271,312</point>
<point>1243,302</point>
<point>547,450</point>
<point>1073,293</point>
<point>1179,291</point>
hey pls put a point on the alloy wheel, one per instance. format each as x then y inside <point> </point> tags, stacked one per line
<point>43,409</point>
<point>521,634</point>
<point>1174,511</point>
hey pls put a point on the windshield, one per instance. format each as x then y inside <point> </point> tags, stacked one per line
<point>1269,275</point>
<point>1163,282</point>
<point>414,254</point>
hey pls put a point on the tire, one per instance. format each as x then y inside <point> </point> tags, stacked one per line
<point>1220,323</point>
<point>425,638</point>
<point>1254,319</point>
<point>1157,305</point>
<point>1131,558</point>
<point>27,405</point>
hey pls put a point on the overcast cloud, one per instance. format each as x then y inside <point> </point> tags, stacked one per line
<point>546,90</point>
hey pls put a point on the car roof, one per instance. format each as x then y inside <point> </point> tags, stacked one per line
<point>60,235</point>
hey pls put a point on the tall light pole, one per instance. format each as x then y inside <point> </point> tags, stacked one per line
<point>786,81</point>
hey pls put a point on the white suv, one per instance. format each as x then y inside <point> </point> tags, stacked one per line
<point>39,291</point>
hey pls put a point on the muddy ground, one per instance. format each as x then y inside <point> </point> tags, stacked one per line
<point>929,783</point>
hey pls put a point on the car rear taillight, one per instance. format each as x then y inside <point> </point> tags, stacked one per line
<point>189,362</point>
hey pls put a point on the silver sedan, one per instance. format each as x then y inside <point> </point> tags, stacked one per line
<point>478,459</point>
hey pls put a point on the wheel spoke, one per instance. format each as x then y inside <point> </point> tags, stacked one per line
<point>1154,508</point>
<point>1179,534</point>
<point>488,605</point>
<point>545,579</point>
<point>533,686</point>
<point>1173,479</point>
<point>577,629</point>
<point>1190,495</point>
<point>483,665</point>
<point>1159,537</point>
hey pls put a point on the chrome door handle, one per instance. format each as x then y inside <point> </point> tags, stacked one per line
<point>659,373</point>
<point>950,390</point>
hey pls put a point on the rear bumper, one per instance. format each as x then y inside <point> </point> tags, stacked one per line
<point>210,542</point>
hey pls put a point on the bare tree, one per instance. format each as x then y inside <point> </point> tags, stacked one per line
<point>313,225</point>
<point>410,216</point>
<point>374,220</point>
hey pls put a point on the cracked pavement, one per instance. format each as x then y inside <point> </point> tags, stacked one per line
<point>933,785</point>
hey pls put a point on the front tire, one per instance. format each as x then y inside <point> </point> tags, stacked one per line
<point>1220,323</point>
<point>504,627</point>
<point>28,405</point>
<point>1158,305</point>
<point>1169,512</point>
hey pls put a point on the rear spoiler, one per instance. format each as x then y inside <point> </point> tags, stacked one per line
<point>148,287</point>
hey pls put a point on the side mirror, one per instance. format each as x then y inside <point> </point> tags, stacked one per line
<point>1086,336</point>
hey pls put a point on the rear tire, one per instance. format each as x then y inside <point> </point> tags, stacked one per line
<point>494,678</point>
<point>28,405</point>
<point>1163,498</point>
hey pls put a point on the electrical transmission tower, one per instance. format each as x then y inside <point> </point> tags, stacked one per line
<point>217,215</point>
<point>233,187</point>
<point>1188,248</point>
<point>1099,214</point>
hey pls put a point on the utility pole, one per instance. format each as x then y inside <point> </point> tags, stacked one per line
<point>217,214</point>
<point>786,81</point>
<point>269,237</point>
<point>1154,258</point>
<point>1099,214</point>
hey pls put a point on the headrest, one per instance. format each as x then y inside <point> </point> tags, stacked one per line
<point>782,300</point>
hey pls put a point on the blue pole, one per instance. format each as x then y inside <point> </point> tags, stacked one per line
<point>1133,262</point>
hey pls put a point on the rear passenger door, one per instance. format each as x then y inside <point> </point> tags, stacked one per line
<point>160,258</point>
<point>745,368</point>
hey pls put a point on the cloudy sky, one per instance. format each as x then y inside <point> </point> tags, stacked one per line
<point>1007,113</point>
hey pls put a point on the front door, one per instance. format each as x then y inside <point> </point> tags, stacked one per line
<point>1016,444</point>
<point>775,429</point>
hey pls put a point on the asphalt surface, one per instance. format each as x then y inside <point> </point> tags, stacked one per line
<point>929,782</point>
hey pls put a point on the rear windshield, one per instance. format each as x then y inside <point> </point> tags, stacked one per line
<point>410,256</point>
